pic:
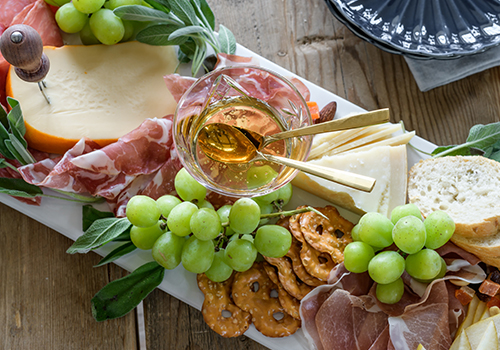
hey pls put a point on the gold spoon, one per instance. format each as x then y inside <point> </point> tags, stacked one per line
<point>260,141</point>
<point>229,145</point>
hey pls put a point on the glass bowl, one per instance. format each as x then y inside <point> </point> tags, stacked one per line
<point>251,97</point>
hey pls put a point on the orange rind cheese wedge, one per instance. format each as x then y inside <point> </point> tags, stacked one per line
<point>100,92</point>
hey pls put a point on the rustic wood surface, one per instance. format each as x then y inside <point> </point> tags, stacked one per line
<point>45,293</point>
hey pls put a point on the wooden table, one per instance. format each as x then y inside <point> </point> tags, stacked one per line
<point>45,293</point>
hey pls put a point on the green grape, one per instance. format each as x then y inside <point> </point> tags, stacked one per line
<point>223,213</point>
<point>219,271</point>
<point>228,231</point>
<point>386,267</point>
<point>205,224</point>
<point>167,250</point>
<point>87,37</point>
<point>247,237</point>
<point>265,208</point>
<point>107,27</point>
<point>166,203</point>
<point>285,194</point>
<point>179,219</point>
<point>88,6</point>
<point>441,273</point>
<point>376,230</point>
<point>405,210</point>
<point>267,198</point>
<point>112,4</point>
<point>57,3</point>
<point>145,237</point>
<point>357,256</point>
<point>409,234</point>
<point>390,293</point>
<point>69,19</point>
<point>205,204</point>
<point>197,256</point>
<point>142,211</point>
<point>424,265</point>
<point>188,188</point>
<point>355,233</point>
<point>258,176</point>
<point>244,216</point>
<point>440,227</point>
<point>129,30</point>
<point>240,254</point>
<point>273,241</point>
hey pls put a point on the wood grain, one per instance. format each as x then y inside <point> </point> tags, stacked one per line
<point>45,293</point>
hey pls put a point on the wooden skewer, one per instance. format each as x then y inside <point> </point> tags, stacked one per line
<point>22,47</point>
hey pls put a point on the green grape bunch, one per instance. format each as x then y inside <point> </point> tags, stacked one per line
<point>188,230</point>
<point>415,239</point>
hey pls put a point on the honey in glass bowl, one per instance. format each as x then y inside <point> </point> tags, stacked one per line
<point>248,97</point>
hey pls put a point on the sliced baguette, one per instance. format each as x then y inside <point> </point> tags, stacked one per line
<point>467,188</point>
<point>387,164</point>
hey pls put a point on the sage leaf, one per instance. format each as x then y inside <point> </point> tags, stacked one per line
<point>159,34</point>
<point>186,31</point>
<point>480,137</point>
<point>15,116</point>
<point>161,5</point>
<point>19,188</point>
<point>90,214</point>
<point>101,231</point>
<point>205,11</point>
<point>22,155</point>
<point>3,163</point>
<point>143,14</point>
<point>117,253</point>
<point>17,133</point>
<point>184,10</point>
<point>4,135</point>
<point>121,296</point>
<point>227,41</point>
<point>3,117</point>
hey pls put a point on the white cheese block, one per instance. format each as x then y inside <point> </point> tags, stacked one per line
<point>101,92</point>
<point>387,164</point>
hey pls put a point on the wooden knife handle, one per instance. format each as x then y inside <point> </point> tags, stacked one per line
<point>22,47</point>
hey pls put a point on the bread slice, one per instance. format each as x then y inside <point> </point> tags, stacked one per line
<point>467,188</point>
<point>387,164</point>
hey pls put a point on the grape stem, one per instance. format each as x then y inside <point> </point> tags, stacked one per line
<point>293,212</point>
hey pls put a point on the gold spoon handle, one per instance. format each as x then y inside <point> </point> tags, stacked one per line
<point>355,121</point>
<point>345,178</point>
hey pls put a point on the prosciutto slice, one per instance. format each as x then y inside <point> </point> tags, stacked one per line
<point>116,172</point>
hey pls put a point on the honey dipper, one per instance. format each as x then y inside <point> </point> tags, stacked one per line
<point>22,47</point>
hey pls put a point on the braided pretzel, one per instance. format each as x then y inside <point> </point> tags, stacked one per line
<point>298,267</point>
<point>327,236</point>
<point>312,263</point>
<point>258,301</point>
<point>217,300</point>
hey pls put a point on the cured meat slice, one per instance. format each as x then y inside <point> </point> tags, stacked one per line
<point>10,8</point>
<point>39,16</point>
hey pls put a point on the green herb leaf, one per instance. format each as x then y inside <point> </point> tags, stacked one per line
<point>3,163</point>
<point>90,214</point>
<point>159,34</point>
<point>19,188</point>
<point>205,11</point>
<point>188,48</point>
<point>480,136</point>
<point>17,134</point>
<point>227,40</point>
<point>101,231</point>
<point>184,10</point>
<point>143,14</point>
<point>15,116</point>
<point>3,117</point>
<point>19,150</point>
<point>4,135</point>
<point>199,56</point>
<point>186,31</point>
<point>161,5</point>
<point>121,296</point>
<point>117,253</point>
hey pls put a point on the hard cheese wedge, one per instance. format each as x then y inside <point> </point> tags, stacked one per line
<point>100,92</point>
<point>387,164</point>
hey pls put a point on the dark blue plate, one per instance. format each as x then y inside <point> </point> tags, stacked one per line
<point>441,29</point>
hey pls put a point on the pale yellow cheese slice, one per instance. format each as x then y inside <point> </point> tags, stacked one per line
<point>387,164</point>
<point>101,92</point>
